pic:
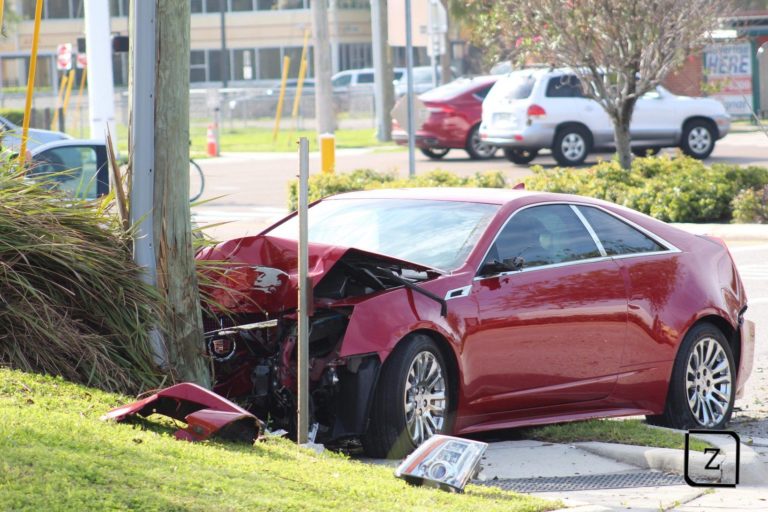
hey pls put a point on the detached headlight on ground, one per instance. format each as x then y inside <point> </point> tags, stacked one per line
<point>443,461</point>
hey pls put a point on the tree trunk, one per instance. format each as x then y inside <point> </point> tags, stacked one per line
<point>621,121</point>
<point>176,277</point>
<point>324,105</point>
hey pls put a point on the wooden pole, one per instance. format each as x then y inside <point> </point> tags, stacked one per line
<point>176,273</point>
<point>31,81</point>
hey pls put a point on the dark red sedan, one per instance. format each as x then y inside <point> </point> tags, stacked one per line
<point>452,115</point>
<point>464,310</point>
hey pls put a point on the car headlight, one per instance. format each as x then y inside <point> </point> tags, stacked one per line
<point>443,461</point>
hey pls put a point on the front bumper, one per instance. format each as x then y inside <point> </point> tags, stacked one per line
<point>723,125</point>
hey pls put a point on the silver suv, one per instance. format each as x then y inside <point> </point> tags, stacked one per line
<point>533,109</point>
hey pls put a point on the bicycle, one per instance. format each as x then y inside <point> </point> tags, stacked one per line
<point>196,181</point>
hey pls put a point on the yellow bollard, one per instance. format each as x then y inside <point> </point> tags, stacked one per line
<point>62,88</point>
<point>70,81</point>
<point>327,153</point>
<point>30,81</point>
<point>281,98</point>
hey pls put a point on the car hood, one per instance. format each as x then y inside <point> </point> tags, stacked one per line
<point>260,273</point>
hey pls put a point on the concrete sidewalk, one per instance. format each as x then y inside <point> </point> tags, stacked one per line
<point>596,476</point>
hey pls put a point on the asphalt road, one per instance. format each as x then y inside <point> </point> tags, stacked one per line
<point>250,190</point>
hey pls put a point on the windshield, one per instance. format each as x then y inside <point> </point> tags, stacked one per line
<point>438,234</point>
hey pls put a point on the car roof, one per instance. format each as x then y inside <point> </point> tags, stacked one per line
<point>498,196</point>
<point>65,143</point>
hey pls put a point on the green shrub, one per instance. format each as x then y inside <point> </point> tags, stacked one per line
<point>71,299</point>
<point>16,116</point>
<point>673,189</point>
<point>751,206</point>
<point>323,185</point>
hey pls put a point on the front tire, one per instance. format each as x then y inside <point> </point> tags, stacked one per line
<point>520,156</point>
<point>572,145</point>
<point>434,153</point>
<point>698,139</point>
<point>413,400</point>
<point>476,148</point>
<point>702,389</point>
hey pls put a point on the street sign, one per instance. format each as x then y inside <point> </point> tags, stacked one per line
<point>64,57</point>
<point>81,61</point>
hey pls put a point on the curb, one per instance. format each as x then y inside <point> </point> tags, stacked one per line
<point>752,470</point>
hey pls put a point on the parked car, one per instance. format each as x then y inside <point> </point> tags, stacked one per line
<point>465,310</point>
<point>76,167</point>
<point>10,136</point>
<point>453,114</point>
<point>422,80</point>
<point>534,109</point>
<point>350,79</point>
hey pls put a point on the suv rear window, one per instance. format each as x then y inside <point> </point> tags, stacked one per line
<point>514,87</point>
<point>566,86</point>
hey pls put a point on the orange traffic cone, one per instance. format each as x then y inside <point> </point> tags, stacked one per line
<point>213,149</point>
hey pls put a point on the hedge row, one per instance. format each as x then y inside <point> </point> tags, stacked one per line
<point>672,189</point>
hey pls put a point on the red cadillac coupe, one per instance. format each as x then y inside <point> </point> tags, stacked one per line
<point>462,310</point>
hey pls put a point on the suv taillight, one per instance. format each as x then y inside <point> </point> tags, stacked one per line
<point>536,111</point>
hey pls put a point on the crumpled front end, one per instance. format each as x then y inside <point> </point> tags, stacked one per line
<point>254,347</point>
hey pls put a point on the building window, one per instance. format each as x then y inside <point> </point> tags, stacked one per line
<point>53,9</point>
<point>353,4</point>
<point>120,69</point>
<point>420,57</point>
<point>355,56</point>
<point>270,63</point>
<point>197,66</point>
<point>243,64</point>
<point>118,8</point>
<point>241,5</point>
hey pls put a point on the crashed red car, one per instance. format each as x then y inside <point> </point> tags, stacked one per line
<point>458,310</point>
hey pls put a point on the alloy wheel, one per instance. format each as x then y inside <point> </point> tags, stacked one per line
<point>482,149</point>
<point>424,398</point>
<point>573,146</point>
<point>708,382</point>
<point>699,139</point>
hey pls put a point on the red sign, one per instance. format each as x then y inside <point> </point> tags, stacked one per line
<point>64,57</point>
<point>82,61</point>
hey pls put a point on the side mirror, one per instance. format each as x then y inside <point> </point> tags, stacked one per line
<point>497,267</point>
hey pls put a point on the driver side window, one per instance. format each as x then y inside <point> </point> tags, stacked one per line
<point>542,235</point>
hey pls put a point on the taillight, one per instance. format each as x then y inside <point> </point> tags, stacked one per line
<point>536,111</point>
<point>437,108</point>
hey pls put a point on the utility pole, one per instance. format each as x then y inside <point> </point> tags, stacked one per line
<point>176,275</point>
<point>98,48</point>
<point>384,94</point>
<point>324,110</point>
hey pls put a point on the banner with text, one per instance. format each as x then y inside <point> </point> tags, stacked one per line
<point>728,71</point>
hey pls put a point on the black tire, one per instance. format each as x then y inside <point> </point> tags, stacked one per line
<point>698,139</point>
<point>476,148</point>
<point>520,156</point>
<point>646,151</point>
<point>579,142</point>
<point>677,412</point>
<point>196,181</point>
<point>435,153</point>
<point>388,435</point>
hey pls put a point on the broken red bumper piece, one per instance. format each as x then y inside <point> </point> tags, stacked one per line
<point>206,413</point>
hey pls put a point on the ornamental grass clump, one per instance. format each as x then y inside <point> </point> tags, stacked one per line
<point>71,301</point>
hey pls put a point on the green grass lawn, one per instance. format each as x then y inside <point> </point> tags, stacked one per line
<point>57,455</point>
<point>632,431</point>
<point>252,139</point>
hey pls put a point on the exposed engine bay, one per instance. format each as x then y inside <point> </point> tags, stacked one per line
<point>254,347</point>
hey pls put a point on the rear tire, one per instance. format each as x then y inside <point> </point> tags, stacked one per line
<point>520,156</point>
<point>572,145</point>
<point>476,148</point>
<point>434,153</point>
<point>703,384</point>
<point>698,140</point>
<point>394,430</point>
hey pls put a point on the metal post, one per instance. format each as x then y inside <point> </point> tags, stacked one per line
<point>383,97</point>
<point>224,60</point>
<point>101,89</point>
<point>302,432</point>
<point>409,84</point>
<point>142,150</point>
